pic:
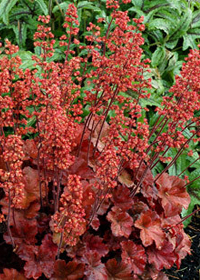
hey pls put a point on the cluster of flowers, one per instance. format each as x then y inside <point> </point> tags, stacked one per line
<point>79,197</point>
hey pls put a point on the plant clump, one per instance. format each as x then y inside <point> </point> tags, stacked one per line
<point>79,196</point>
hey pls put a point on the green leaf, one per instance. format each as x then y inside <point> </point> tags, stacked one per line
<point>138,3</point>
<point>157,56</point>
<point>152,5</point>
<point>158,85</point>
<point>169,14</point>
<point>63,6</point>
<point>183,25</point>
<point>88,5</point>
<point>171,44</point>
<point>195,200</point>
<point>172,61</point>
<point>43,6</point>
<point>189,41</point>
<point>5,7</point>
<point>158,35</point>
<point>31,121</point>
<point>157,169</point>
<point>195,19</point>
<point>160,23</point>
<point>175,4</point>
<point>154,100</point>
<point>182,163</point>
<point>20,33</point>
<point>137,11</point>
<point>26,57</point>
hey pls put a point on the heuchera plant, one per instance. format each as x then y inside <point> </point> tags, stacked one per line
<point>79,198</point>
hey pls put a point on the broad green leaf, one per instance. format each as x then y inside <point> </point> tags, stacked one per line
<point>160,23</point>
<point>138,3</point>
<point>183,25</point>
<point>5,7</point>
<point>157,56</point>
<point>63,6</point>
<point>182,163</point>
<point>158,85</point>
<point>172,170</point>
<point>157,35</point>
<point>26,57</point>
<point>31,121</point>
<point>189,41</point>
<point>176,4</point>
<point>87,5</point>
<point>137,11</point>
<point>171,44</point>
<point>152,5</point>
<point>169,14</point>
<point>20,33</point>
<point>164,62</point>
<point>43,6</point>
<point>195,19</point>
<point>172,62</point>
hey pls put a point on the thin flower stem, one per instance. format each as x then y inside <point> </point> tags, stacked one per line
<point>188,166</point>
<point>8,221</point>
<point>191,181</point>
<point>185,218</point>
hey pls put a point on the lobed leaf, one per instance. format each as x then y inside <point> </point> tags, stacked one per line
<point>134,255</point>
<point>149,224</point>
<point>121,222</point>
<point>173,194</point>
<point>118,271</point>
<point>73,270</point>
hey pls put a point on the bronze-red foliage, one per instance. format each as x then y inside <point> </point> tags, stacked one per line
<point>79,197</point>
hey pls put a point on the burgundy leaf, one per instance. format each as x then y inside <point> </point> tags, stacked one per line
<point>121,197</point>
<point>95,224</point>
<point>173,194</point>
<point>70,271</point>
<point>152,273</point>
<point>76,251</point>
<point>95,243</point>
<point>23,230</point>
<point>118,271</point>
<point>32,211</point>
<point>104,207</point>
<point>47,254</point>
<point>134,255</point>
<point>40,259</point>
<point>27,252</point>
<point>30,149</point>
<point>95,269</point>
<point>112,241</point>
<point>182,248</point>
<point>32,269</point>
<point>121,222</point>
<point>32,182</point>
<point>164,258</point>
<point>11,274</point>
<point>150,225</point>
<point>148,179</point>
